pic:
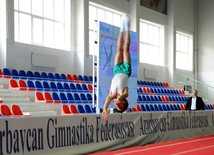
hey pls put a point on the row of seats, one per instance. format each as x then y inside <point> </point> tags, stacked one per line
<point>164,107</point>
<point>161,99</point>
<point>49,86</point>
<point>14,74</point>
<point>54,97</point>
<point>152,84</point>
<point>88,109</point>
<point>158,107</point>
<point>15,111</point>
<point>78,109</point>
<point>159,91</point>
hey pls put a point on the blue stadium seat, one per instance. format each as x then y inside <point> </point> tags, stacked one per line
<point>86,79</point>
<point>53,86</point>
<point>159,99</point>
<point>181,98</point>
<point>6,73</point>
<point>167,91</point>
<point>77,98</point>
<point>171,107</point>
<point>38,86</point>
<point>80,78</point>
<point>57,77</point>
<point>159,91</point>
<point>161,85</point>
<point>142,107</point>
<point>152,99</point>
<point>22,74</point>
<point>14,74</point>
<point>164,107</point>
<point>211,107</point>
<point>147,107</point>
<point>85,88</point>
<point>63,77</point>
<point>70,98</point>
<point>90,78</point>
<point>184,98</point>
<point>30,75</point>
<point>51,77</point>
<point>140,90</point>
<point>156,90</point>
<point>151,107</point>
<point>79,88</point>
<point>93,109</point>
<point>168,108</point>
<point>152,90</point>
<point>73,87</point>
<point>89,98</point>
<point>83,98</point>
<point>66,87</point>
<point>171,98</point>
<point>30,84</point>
<point>142,83</point>
<point>37,75</point>
<point>44,76</point>
<point>138,83</point>
<point>55,97</point>
<point>177,92</point>
<point>63,98</point>
<point>46,86</point>
<point>178,107</point>
<point>160,107</point>
<point>87,109</point>
<point>59,87</point>
<point>156,107</point>
<point>156,99</point>
<point>139,99</point>
<point>80,109</point>
<point>175,107</point>
<point>144,99</point>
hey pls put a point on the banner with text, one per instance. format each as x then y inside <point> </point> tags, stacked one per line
<point>82,134</point>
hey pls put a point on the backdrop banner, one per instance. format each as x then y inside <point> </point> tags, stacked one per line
<point>108,36</point>
<point>83,134</point>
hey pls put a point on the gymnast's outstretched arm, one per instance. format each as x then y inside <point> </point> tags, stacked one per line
<point>105,108</point>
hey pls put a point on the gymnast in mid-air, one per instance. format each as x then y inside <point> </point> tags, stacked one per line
<point>122,71</point>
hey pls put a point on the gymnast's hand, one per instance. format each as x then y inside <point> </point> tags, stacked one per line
<point>105,114</point>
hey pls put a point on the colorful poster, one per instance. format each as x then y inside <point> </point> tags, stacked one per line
<point>108,37</point>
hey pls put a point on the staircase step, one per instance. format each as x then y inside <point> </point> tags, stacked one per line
<point>24,104</point>
<point>7,94</point>
<point>6,99</point>
<point>4,90</point>
<point>42,113</point>
<point>34,109</point>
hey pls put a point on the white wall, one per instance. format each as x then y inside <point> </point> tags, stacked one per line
<point>206,41</point>
<point>78,61</point>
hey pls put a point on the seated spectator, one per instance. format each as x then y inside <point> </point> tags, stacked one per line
<point>195,102</point>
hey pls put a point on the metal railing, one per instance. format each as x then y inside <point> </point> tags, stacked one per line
<point>204,90</point>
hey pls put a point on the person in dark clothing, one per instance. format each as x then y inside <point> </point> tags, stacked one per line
<point>195,102</point>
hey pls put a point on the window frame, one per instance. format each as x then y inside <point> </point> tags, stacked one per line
<point>17,35</point>
<point>160,45</point>
<point>98,6</point>
<point>189,52</point>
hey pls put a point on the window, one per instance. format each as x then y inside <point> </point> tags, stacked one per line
<point>43,22</point>
<point>184,51</point>
<point>151,43</point>
<point>104,14</point>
